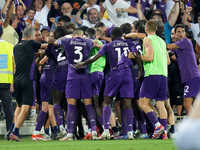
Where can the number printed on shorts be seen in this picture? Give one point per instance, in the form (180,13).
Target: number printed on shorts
(186,90)
(78,51)
(125,49)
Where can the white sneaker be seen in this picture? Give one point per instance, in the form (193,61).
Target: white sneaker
(68,137)
(104,136)
(63,133)
(130,135)
(94,135)
(46,136)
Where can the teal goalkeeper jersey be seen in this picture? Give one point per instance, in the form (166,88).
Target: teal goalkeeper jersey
(98,65)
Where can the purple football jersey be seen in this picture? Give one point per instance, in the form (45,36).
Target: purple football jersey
(77,50)
(59,56)
(48,70)
(114,51)
(186,60)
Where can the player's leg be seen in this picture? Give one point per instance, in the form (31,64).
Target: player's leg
(91,116)
(71,119)
(129,116)
(150,88)
(187,103)
(57,98)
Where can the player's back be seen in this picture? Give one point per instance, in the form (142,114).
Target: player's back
(77,50)
(114,51)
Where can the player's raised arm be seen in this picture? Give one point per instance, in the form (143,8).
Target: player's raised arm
(172,46)
(88,61)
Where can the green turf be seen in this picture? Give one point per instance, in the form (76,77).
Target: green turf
(27,144)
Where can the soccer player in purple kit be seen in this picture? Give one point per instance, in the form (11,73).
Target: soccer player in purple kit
(24,55)
(186,60)
(155,60)
(78,80)
(120,79)
(58,82)
(45,87)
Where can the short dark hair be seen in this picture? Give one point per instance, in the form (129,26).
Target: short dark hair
(31,8)
(90,32)
(99,24)
(126,28)
(139,26)
(59,31)
(64,18)
(69,25)
(116,33)
(179,26)
(83,28)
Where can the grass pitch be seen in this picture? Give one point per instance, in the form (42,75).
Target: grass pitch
(28,144)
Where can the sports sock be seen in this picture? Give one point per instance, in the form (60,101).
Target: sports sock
(106,116)
(91,116)
(129,119)
(141,122)
(134,124)
(71,117)
(55,130)
(59,114)
(153,119)
(16,131)
(164,123)
(172,129)
(100,120)
(124,123)
(40,120)
(115,129)
(46,131)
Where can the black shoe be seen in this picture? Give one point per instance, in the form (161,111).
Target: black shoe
(7,135)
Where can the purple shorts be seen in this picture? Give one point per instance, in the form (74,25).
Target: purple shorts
(45,88)
(154,87)
(96,81)
(59,81)
(79,88)
(192,87)
(122,83)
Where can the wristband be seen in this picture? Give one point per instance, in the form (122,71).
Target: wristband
(177,1)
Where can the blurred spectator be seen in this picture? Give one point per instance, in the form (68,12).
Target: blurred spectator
(118,12)
(30,21)
(194,27)
(76,5)
(66,10)
(92,18)
(42,10)
(9,26)
(21,25)
(45,32)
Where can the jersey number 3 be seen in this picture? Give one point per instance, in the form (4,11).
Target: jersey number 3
(78,51)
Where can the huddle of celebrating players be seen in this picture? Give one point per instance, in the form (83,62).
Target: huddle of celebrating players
(78,69)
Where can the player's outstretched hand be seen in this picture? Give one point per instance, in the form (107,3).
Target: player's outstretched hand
(78,65)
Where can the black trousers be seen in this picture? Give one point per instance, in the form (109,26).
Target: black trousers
(6,98)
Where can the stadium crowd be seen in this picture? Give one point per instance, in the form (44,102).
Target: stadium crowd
(134,60)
